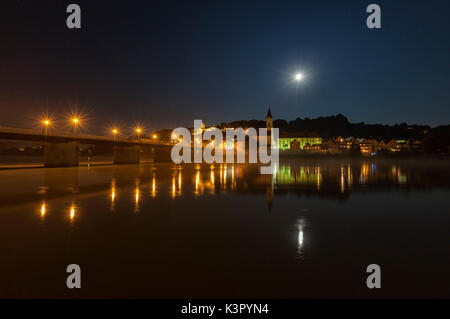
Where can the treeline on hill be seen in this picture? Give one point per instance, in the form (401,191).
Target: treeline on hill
(338,125)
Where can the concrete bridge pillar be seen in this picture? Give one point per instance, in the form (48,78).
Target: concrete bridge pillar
(61,154)
(162,153)
(127,154)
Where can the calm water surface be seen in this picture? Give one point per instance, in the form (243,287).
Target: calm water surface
(162,230)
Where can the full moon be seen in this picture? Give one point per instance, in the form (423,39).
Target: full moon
(298,77)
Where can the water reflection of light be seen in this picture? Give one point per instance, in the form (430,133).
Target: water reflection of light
(394,169)
(113,193)
(212,183)
(136,198)
(300,238)
(197,182)
(365,169)
(154,186)
(173,187)
(342,180)
(232,177)
(43,209)
(303,175)
(179,180)
(225,176)
(72,212)
(402,178)
(319,177)
(364,173)
(349,175)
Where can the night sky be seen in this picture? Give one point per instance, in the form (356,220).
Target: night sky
(166,63)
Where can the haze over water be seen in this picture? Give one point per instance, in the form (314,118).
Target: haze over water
(188,231)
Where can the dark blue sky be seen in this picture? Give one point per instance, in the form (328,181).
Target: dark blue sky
(167,63)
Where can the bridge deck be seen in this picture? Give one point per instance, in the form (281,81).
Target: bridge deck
(12,133)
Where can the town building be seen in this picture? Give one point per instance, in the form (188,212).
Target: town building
(293,141)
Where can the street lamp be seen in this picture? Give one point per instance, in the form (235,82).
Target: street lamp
(75,121)
(138,131)
(115,132)
(46,124)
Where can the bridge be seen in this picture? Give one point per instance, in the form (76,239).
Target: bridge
(62,149)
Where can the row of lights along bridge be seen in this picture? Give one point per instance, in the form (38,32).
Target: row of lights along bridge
(75,121)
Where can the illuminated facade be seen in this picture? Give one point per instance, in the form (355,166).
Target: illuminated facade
(292,141)
(285,143)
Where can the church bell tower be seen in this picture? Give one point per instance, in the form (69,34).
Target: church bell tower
(269,121)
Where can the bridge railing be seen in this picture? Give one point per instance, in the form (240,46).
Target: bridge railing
(71,136)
